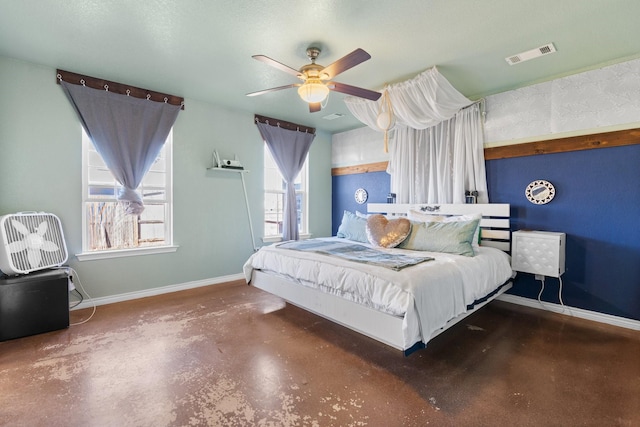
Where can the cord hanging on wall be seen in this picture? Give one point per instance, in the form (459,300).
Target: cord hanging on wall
(386,119)
(235,166)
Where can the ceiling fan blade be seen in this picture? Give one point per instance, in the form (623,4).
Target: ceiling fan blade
(354,91)
(273,89)
(348,61)
(315,107)
(279,65)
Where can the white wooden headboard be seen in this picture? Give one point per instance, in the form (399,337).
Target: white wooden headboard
(495,223)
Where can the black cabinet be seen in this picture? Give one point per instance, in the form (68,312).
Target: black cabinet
(33,303)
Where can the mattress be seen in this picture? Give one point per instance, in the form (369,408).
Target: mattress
(426,295)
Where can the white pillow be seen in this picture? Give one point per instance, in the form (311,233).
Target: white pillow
(454,237)
(424,217)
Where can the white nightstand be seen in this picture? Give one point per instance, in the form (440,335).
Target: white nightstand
(538,252)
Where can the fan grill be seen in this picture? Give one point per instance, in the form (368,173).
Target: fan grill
(30,242)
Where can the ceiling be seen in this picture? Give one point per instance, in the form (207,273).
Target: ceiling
(201,49)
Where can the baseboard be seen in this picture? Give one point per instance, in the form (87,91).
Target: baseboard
(88,303)
(622,322)
(514,299)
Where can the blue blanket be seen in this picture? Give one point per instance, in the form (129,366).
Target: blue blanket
(356,253)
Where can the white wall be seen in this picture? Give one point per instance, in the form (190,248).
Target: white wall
(594,101)
(357,147)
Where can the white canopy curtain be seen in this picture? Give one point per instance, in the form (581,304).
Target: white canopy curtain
(419,103)
(440,163)
(289,145)
(128,132)
(436,151)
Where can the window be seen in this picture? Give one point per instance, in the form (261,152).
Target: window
(106,227)
(274,187)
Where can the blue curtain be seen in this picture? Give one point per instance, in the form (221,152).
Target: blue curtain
(127,132)
(289,149)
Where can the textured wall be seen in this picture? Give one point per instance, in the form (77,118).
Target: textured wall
(600,98)
(357,147)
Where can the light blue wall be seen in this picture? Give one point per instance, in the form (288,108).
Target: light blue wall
(40,170)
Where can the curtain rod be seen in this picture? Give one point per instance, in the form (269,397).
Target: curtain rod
(119,88)
(283,124)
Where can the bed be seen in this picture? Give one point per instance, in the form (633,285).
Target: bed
(402,307)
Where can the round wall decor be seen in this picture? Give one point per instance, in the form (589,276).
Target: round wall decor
(540,192)
(361,196)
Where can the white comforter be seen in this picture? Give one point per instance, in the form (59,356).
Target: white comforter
(427,295)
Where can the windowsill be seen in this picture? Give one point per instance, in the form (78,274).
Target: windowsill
(91,256)
(274,239)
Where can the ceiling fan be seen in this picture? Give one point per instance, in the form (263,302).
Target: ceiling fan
(316,78)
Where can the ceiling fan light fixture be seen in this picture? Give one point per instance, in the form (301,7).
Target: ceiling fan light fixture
(315,86)
(313,91)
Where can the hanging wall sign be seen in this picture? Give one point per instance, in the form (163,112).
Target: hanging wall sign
(361,196)
(540,192)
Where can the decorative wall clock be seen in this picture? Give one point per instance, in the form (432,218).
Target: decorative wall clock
(540,192)
(361,196)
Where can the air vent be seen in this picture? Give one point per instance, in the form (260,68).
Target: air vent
(531,54)
(333,116)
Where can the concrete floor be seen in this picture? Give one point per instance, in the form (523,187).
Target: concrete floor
(232,355)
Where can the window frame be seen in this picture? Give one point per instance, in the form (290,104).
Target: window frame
(168,246)
(304,191)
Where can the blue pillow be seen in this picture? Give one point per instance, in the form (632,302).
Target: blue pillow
(353,228)
(450,237)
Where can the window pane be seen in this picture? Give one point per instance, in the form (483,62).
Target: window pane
(100,192)
(151,234)
(100,175)
(107,226)
(154,179)
(153,213)
(273,203)
(272,180)
(159,164)
(94,159)
(149,194)
(299,204)
(274,187)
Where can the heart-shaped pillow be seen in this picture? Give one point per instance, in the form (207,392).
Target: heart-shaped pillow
(387,233)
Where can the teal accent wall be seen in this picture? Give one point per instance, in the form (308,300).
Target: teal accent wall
(41,170)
